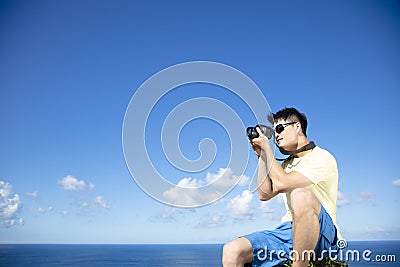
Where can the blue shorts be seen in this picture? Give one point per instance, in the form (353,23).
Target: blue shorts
(273,247)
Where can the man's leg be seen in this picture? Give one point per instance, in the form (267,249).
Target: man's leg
(237,253)
(306,209)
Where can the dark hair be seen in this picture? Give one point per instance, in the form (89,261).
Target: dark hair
(294,115)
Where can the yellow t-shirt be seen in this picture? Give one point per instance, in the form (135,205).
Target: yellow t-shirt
(320,167)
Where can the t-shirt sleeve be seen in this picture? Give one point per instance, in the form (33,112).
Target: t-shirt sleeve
(321,166)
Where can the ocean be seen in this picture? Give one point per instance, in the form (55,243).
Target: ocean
(166,255)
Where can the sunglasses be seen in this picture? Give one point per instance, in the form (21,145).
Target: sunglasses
(280,127)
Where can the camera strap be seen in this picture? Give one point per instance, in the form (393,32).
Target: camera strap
(309,146)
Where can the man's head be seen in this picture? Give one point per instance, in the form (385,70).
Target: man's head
(290,127)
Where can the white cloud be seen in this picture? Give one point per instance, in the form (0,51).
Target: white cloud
(280,199)
(71,183)
(265,208)
(189,197)
(167,216)
(214,220)
(342,200)
(267,211)
(34,194)
(377,232)
(190,183)
(65,212)
(10,206)
(187,193)
(366,196)
(98,202)
(5,189)
(225,178)
(170,214)
(44,210)
(239,207)
(373,230)
(396,182)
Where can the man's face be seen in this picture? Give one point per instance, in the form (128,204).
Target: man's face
(288,137)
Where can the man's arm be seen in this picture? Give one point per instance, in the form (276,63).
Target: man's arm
(265,188)
(274,180)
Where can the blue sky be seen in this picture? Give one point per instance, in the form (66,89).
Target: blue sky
(69,69)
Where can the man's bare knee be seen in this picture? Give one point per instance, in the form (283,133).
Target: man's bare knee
(303,201)
(230,253)
(237,252)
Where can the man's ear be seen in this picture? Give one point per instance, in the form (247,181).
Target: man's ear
(298,128)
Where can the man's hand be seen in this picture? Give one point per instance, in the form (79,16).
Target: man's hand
(257,149)
(260,143)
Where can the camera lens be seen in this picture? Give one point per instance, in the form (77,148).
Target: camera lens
(248,131)
(252,133)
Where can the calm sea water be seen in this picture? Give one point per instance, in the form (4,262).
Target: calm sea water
(156,255)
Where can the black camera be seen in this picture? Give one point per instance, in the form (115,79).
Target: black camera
(266,130)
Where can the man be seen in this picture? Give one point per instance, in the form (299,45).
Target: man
(309,181)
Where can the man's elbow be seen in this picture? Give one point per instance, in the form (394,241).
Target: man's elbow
(264,196)
(280,187)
